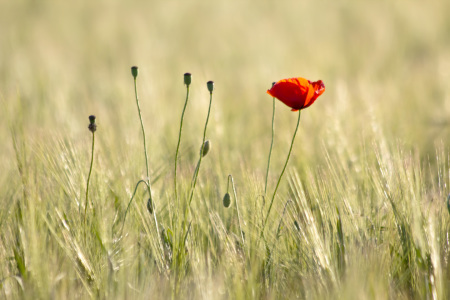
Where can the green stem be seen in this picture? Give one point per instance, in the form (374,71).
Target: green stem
(149,189)
(237,209)
(281,175)
(271,145)
(195,172)
(201,152)
(89,177)
(143,137)
(179,141)
(281,220)
(129,203)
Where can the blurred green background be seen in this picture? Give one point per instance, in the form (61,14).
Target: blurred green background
(380,60)
(385,64)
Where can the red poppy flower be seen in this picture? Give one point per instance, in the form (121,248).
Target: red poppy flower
(297,93)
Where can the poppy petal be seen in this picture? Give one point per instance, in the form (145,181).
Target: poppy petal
(317,89)
(291,92)
(297,93)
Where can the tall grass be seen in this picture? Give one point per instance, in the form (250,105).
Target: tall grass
(361,212)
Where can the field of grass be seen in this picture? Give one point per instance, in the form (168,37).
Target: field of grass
(361,212)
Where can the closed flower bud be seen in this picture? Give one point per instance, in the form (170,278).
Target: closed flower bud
(134,71)
(150,205)
(92,126)
(210,85)
(227,200)
(448,203)
(206,148)
(187,78)
(296,225)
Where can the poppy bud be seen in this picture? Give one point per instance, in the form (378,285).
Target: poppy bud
(92,126)
(150,205)
(206,148)
(227,200)
(296,225)
(134,71)
(210,85)
(187,78)
(448,203)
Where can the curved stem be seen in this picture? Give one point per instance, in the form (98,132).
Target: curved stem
(89,177)
(149,189)
(271,145)
(143,138)
(281,175)
(179,141)
(129,203)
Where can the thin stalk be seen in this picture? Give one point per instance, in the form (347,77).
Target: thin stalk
(89,177)
(195,172)
(201,152)
(237,209)
(271,145)
(179,141)
(281,220)
(149,189)
(143,138)
(281,175)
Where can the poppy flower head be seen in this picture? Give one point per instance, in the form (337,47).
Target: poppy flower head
(297,93)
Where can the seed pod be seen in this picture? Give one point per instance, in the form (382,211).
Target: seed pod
(227,200)
(206,148)
(134,71)
(296,225)
(448,203)
(150,205)
(187,78)
(92,126)
(210,85)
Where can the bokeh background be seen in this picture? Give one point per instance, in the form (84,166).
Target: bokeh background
(385,64)
(382,60)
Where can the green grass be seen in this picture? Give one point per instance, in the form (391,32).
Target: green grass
(361,212)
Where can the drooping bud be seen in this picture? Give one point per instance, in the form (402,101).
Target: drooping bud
(92,126)
(150,205)
(206,148)
(227,200)
(296,225)
(448,203)
(210,85)
(134,71)
(187,78)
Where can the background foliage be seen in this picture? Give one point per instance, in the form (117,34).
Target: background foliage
(361,214)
